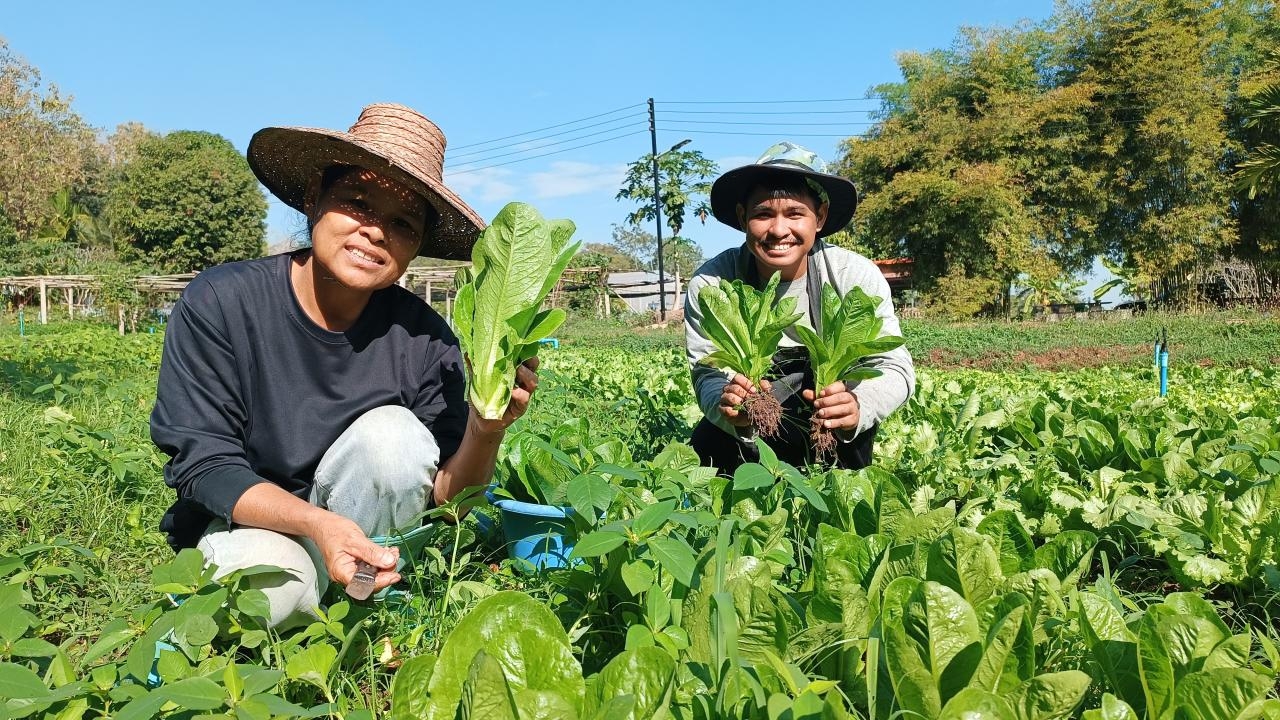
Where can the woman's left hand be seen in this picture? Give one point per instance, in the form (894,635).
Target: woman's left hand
(526,383)
(835,406)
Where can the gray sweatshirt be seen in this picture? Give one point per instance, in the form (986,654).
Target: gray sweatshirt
(836,266)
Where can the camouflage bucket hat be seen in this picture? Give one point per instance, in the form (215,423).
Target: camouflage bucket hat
(784,163)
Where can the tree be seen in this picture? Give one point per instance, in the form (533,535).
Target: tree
(186,201)
(964,173)
(684,185)
(44,144)
(681,256)
(636,243)
(606,255)
(1159,130)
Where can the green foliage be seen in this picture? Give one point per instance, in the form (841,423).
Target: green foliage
(1261,171)
(610,257)
(1010,556)
(1111,129)
(683,184)
(745,325)
(45,145)
(850,334)
(527,654)
(186,201)
(497,313)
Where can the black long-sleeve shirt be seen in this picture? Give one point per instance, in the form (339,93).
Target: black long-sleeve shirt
(252,390)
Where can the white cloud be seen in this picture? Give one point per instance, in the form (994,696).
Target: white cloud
(486,185)
(566,178)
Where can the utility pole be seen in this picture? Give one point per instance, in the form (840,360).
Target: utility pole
(657,214)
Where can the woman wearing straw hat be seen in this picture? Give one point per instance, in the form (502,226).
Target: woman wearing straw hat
(306,401)
(785,203)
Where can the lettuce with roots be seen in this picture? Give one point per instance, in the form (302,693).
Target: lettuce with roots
(498,313)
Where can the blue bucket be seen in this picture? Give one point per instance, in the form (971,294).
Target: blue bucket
(540,535)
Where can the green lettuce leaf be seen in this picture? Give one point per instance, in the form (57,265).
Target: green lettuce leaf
(498,313)
(744,325)
(850,334)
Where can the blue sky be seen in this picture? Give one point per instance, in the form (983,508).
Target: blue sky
(488,70)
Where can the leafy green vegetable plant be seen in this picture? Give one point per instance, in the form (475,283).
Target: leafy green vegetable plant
(498,312)
(745,326)
(850,334)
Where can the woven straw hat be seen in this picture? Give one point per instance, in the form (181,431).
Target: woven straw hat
(392,140)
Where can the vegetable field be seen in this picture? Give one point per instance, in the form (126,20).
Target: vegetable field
(1030,545)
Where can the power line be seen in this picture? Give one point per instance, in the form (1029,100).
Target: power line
(764,134)
(622,119)
(771,102)
(772,124)
(540,147)
(769,112)
(556,152)
(549,127)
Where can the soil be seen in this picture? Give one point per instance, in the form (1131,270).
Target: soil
(765,412)
(1066,358)
(824,441)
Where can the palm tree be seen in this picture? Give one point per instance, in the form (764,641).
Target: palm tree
(1261,172)
(69,222)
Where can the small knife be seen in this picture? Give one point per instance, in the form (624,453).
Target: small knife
(361,585)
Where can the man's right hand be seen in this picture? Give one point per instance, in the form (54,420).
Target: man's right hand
(342,542)
(731,400)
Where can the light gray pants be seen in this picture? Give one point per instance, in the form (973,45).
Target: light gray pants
(379,472)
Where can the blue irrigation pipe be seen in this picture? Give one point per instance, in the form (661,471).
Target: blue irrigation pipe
(1163,361)
(1164,373)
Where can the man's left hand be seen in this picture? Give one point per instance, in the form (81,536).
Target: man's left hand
(526,383)
(835,406)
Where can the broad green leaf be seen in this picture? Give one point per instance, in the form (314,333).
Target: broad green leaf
(114,634)
(977,704)
(408,699)
(33,648)
(675,556)
(1051,696)
(751,476)
(1112,708)
(181,575)
(1067,554)
(18,682)
(1114,648)
(312,665)
(647,521)
(595,544)
(485,693)
(931,643)
(589,494)
(1222,694)
(966,562)
(638,576)
(744,325)
(197,693)
(254,603)
(1012,541)
(523,636)
(850,333)
(647,674)
(999,669)
(1230,653)
(515,263)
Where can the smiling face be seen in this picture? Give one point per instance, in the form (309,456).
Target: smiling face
(781,228)
(366,229)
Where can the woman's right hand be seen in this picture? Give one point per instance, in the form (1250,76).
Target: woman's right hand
(342,542)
